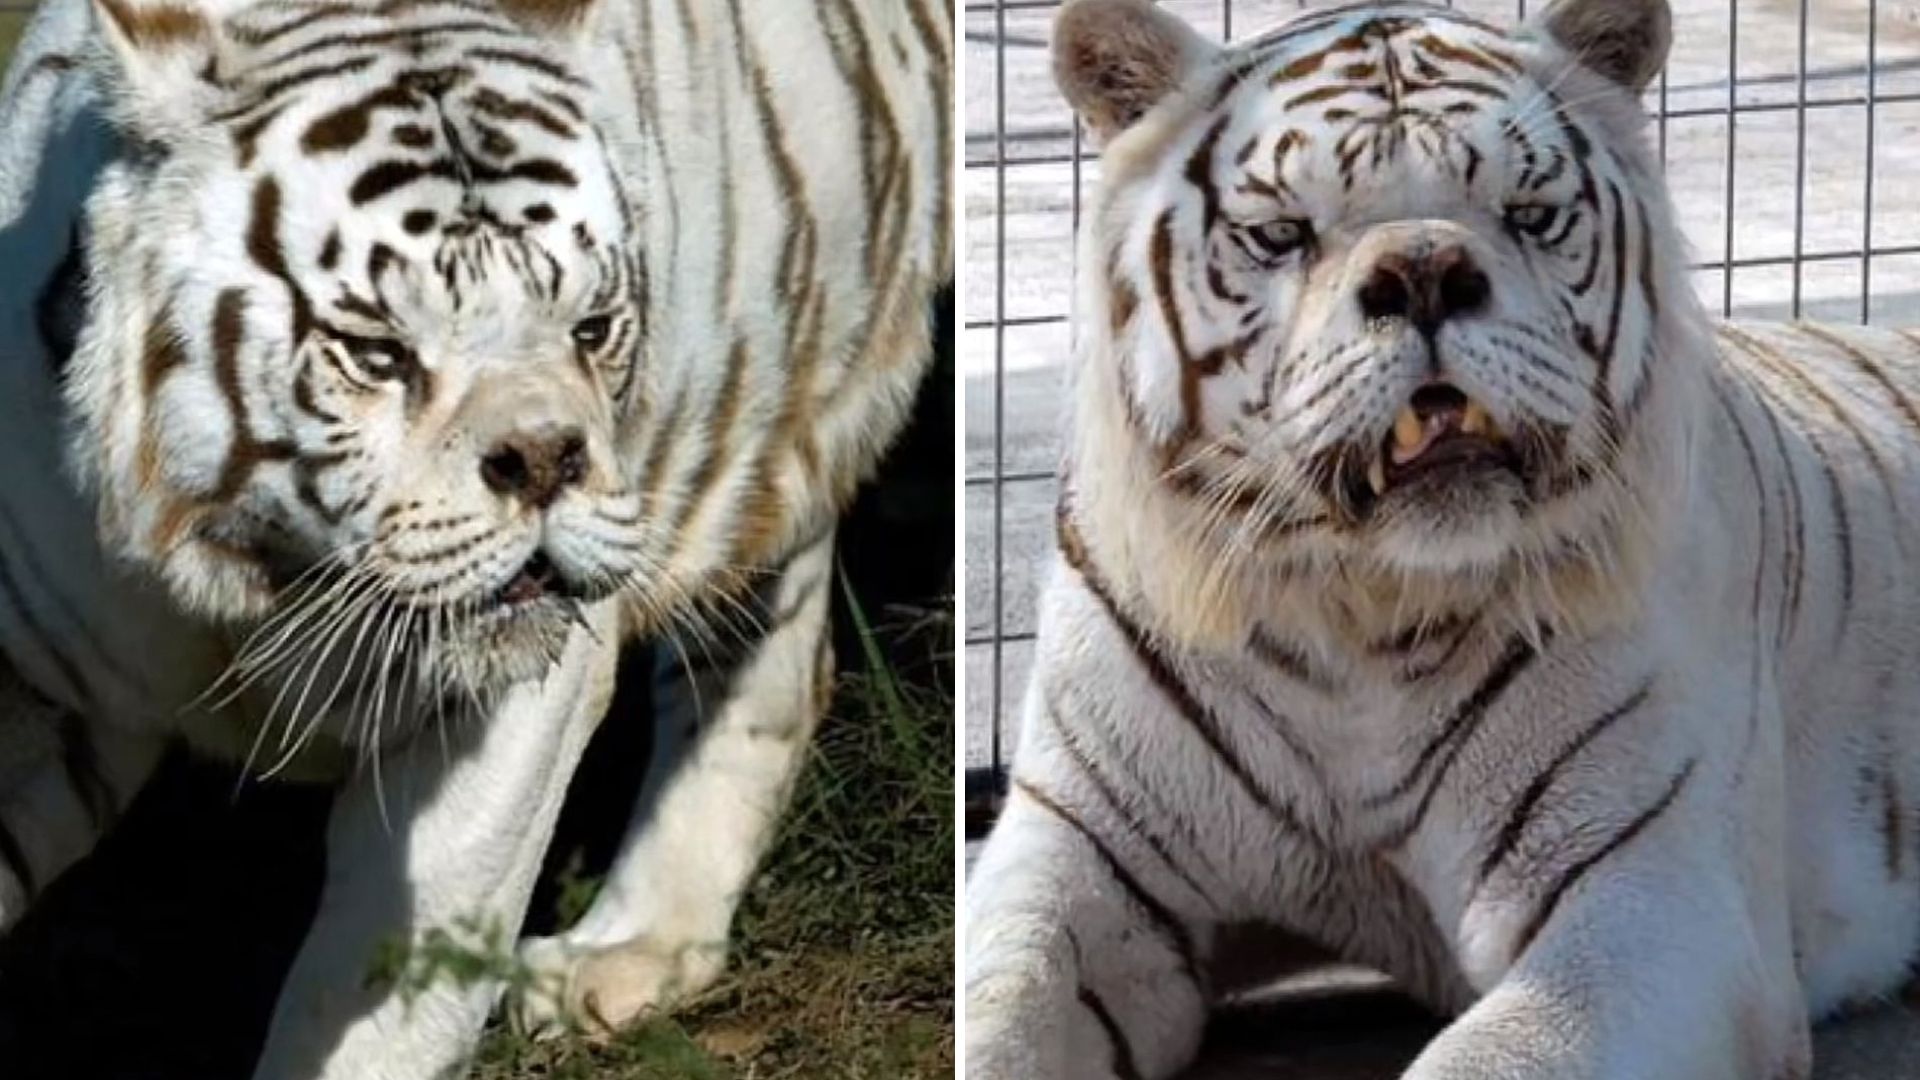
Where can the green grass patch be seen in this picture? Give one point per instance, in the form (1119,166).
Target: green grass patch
(11,25)
(843,956)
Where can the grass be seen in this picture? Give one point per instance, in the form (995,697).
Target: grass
(843,952)
(11,24)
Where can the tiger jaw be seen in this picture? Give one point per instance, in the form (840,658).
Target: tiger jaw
(1443,448)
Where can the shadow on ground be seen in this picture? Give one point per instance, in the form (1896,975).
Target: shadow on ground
(1343,1028)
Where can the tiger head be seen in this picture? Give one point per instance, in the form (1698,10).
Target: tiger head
(366,316)
(1386,298)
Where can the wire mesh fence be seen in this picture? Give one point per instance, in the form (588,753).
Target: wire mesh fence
(1790,135)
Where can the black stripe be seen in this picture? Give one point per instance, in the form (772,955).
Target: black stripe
(1077,750)
(1124,1066)
(1287,660)
(1168,681)
(1423,672)
(1836,495)
(1522,812)
(1458,733)
(1466,716)
(15,858)
(1178,940)
(1612,339)
(1843,526)
(82,762)
(60,308)
(1572,875)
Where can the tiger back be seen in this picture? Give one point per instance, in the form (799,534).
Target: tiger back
(371,366)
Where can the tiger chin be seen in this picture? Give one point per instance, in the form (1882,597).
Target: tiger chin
(1439,587)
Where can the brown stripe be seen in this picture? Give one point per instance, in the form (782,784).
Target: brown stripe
(1836,499)
(1572,875)
(719,441)
(247,451)
(344,127)
(1522,813)
(155,27)
(1759,502)
(1867,367)
(939,68)
(1779,365)
(1793,558)
(1178,940)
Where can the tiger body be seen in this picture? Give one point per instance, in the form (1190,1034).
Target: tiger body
(372,371)
(1610,757)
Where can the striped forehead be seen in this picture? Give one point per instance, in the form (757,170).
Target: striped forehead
(1379,68)
(1385,100)
(448,116)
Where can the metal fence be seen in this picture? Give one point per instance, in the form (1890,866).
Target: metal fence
(1789,129)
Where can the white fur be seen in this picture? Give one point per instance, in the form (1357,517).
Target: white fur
(1705,659)
(125,601)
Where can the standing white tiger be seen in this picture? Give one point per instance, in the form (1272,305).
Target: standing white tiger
(370,370)
(1436,588)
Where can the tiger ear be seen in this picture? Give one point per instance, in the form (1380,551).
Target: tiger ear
(1116,59)
(568,22)
(164,73)
(1625,40)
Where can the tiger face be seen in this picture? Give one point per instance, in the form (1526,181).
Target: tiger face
(1386,282)
(368,317)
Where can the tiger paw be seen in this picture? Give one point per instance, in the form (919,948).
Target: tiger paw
(602,989)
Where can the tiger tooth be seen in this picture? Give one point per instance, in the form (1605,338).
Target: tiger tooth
(1475,420)
(1377,476)
(1408,430)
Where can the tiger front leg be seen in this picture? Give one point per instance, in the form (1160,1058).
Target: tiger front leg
(1655,956)
(657,931)
(1073,971)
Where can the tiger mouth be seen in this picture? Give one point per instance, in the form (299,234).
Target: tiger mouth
(537,579)
(1439,436)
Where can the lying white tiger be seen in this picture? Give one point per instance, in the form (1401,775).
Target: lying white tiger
(429,349)
(1433,589)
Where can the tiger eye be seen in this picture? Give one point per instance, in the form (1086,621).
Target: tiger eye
(592,332)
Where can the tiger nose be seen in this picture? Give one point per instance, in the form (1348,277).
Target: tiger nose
(536,466)
(1425,288)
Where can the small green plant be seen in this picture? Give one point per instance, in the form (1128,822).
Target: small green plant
(843,949)
(476,950)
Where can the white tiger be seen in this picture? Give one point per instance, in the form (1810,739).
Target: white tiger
(1436,589)
(371,369)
